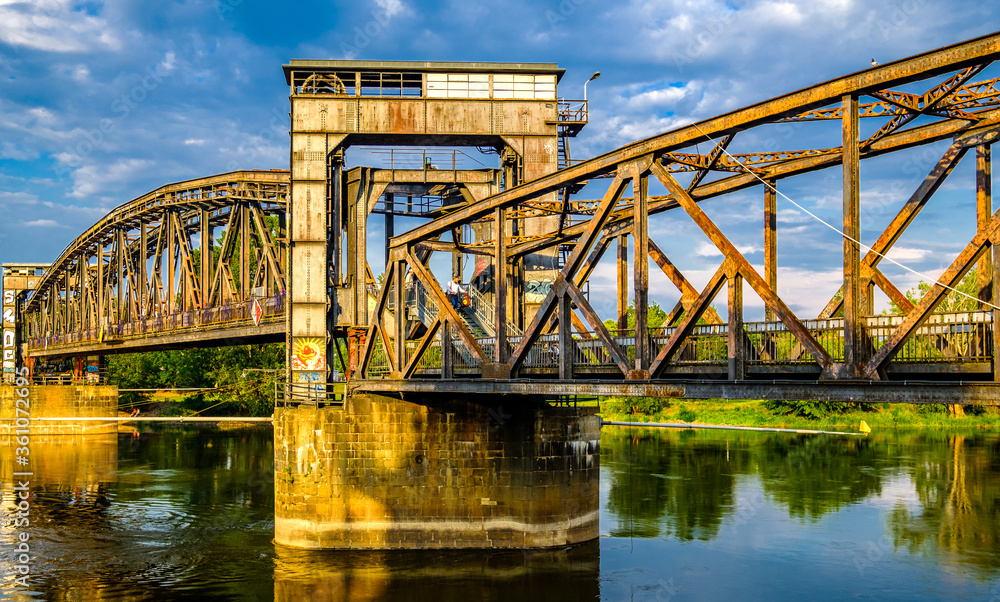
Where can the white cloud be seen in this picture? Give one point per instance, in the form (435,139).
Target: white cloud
(43,223)
(54,26)
(904,254)
(8,198)
(708,249)
(807,291)
(391,7)
(79,73)
(616,130)
(781,13)
(169,62)
(667,96)
(91,180)
(17,152)
(43,116)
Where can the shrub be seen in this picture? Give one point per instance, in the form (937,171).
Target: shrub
(645,406)
(805,409)
(687,415)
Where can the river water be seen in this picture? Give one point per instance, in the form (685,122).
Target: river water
(181,513)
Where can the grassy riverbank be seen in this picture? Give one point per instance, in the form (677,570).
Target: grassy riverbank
(756,413)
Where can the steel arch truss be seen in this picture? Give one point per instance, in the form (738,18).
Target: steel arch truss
(139,273)
(953,106)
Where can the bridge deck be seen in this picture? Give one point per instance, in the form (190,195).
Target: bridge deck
(229,324)
(949,346)
(909,391)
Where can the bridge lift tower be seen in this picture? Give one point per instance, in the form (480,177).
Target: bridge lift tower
(511,109)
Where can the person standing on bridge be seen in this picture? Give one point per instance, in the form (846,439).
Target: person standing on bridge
(455,294)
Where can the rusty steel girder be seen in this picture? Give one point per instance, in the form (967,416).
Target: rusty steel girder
(137,274)
(952,108)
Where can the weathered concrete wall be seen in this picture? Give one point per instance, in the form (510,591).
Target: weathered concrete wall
(56,401)
(386,474)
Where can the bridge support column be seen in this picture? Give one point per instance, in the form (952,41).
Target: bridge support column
(622,282)
(984,211)
(855,352)
(385,474)
(737,348)
(771,242)
(640,270)
(989,286)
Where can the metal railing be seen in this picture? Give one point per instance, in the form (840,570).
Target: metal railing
(481,309)
(326,393)
(573,111)
(426,159)
(946,337)
(177,321)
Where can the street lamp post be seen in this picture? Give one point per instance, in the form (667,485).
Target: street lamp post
(592,78)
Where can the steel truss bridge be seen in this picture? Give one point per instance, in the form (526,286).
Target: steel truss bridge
(135,281)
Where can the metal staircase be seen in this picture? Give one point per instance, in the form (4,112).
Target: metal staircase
(477,316)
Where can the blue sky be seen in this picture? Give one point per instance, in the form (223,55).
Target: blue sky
(101,102)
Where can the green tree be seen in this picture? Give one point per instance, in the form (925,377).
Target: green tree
(241,391)
(655,317)
(964,300)
(237,390)
(131,371)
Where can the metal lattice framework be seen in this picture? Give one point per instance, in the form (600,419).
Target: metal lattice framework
(953,107)
(136,279)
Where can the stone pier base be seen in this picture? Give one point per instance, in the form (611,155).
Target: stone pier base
(58,401)
(386,474)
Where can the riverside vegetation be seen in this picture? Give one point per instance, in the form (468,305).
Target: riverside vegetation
(795,414)
(805,414)
(232,380)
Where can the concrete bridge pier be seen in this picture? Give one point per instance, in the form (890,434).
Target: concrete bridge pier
(26,410)
(380,473)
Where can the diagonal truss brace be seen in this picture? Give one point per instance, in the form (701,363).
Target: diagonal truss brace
(743,267)
(990,233)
